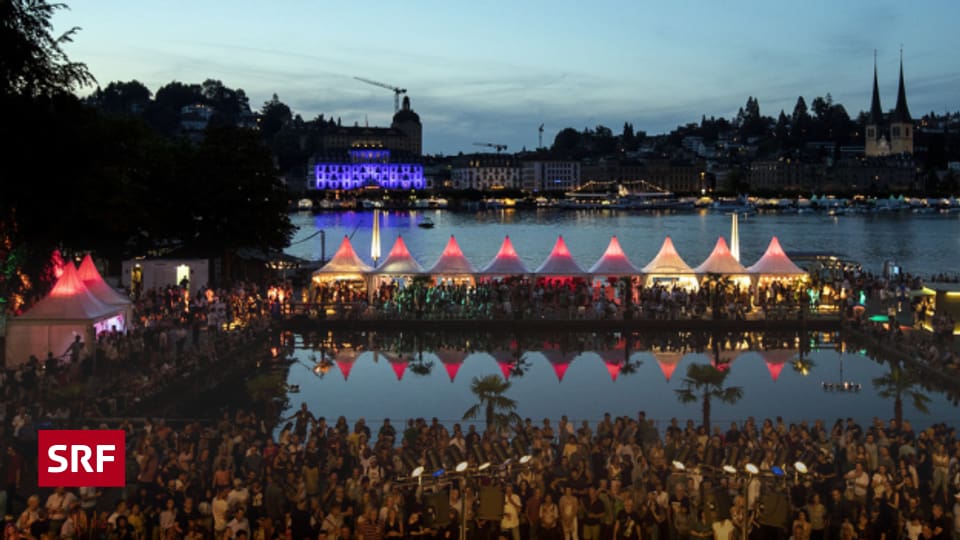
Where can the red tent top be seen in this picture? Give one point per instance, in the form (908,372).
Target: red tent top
(505,361)
(345,360)
(614,358)
(506,262)
(399,262)
(452,360)
(614,261)
(775,262)
(668,361)
(560,262)
(557,358)
(775,360)
(721,261)
(667,261)
(94,281)
(70,299)
(452,261)
(345,261)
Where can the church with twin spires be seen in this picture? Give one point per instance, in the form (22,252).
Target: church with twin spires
(889,134)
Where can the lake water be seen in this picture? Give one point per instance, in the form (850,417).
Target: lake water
(404,375)
(928,243)
(378,387)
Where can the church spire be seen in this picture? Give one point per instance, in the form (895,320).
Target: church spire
(901,113)
(876,111)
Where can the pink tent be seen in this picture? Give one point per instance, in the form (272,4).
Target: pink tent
(560,262)
(70,299)
(775,263)
(452,262)
(668,361)
(452,360)
(94,281)
(614,262)
(775,360)
(345,262)
(506,262)
(721,261)
(559,359)
(399,262)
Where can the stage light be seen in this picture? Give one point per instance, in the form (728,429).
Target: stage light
(801,467)
(777,470)
(729,469)
(484,466)
(525,459)
(678,465)
(438,473)
(462,466)
(418,472)
(752,469)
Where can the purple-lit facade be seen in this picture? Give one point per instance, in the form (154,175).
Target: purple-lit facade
(369,167)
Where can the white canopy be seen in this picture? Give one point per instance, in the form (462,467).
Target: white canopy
(506,262)
(614,262)
(94,282)
(721,261)
(452,261)
(775,262)
(399,262)
(70,299)
(560,262)
(667,261)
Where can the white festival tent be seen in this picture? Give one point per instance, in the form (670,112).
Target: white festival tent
(399,262)
(668,266)
(344,265)
(614,262)
(506,262)
(453,263)
(52,323)
(775,264)
(722,262)
(559,263)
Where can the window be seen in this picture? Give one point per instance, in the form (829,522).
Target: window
(906,131)
(871,133)
(896,131)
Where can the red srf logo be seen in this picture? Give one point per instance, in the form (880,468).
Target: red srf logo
(77,458)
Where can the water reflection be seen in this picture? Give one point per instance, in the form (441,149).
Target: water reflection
(803,375)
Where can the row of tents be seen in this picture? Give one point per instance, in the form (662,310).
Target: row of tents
(81,304)
(560,360)
(666,265)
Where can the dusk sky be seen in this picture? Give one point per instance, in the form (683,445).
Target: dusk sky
(492,71)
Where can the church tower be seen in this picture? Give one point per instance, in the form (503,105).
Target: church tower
(901,125)
(876,143)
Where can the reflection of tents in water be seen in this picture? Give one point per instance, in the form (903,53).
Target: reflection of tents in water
(452,359)
(775,360)
(723,359)
(345,360)
(397,362)
(614,358)
(668,361)
(506,360)
(558,358)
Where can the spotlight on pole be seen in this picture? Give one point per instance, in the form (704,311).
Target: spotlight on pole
(418,472)
(438,473)
(752,469)
(462,466)
(678,465)
(729,469)
(525,459)
(777,470)
(801,467)
(484,466)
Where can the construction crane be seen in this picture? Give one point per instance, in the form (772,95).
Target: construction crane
(499,147)
(540,136)
(396,91)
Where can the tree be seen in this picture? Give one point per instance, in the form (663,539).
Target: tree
(705,383)
(567,141)
(498,410)
(33,62)
(274,115)
(123,98)
(800,121)
(895,385)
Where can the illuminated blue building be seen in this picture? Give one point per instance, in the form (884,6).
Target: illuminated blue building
(360,157)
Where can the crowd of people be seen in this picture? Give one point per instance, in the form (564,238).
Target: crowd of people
(618,478)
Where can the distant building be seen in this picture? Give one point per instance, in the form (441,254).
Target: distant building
(785,175)
(363,157)
(404,137)
(648,174)
(893,133)
(485,172)
(882,175)
(195,118)
(558,175)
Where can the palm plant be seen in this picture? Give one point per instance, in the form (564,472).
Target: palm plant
(705,383)
(498,410)
(895,385)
